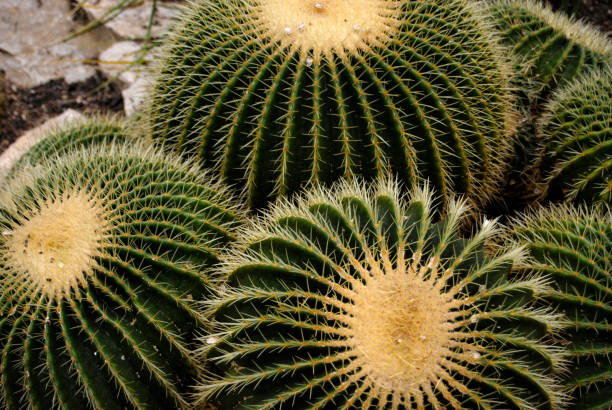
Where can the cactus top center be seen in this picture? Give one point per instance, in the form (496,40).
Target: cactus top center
(401,329)
(326,26)
(53,246)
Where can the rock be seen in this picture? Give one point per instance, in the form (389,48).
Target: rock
(132,22)
(117,57)
(28,139)
(134,96)
(30,48)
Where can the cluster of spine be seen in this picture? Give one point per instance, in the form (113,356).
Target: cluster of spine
(355,298)
(553,48)
(103,255)
(574,248)
(428,99)
(576,133)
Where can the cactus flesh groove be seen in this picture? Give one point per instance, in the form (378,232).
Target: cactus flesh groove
(354,298)
(273,94)
(574,247)
(103,254)
(576,132)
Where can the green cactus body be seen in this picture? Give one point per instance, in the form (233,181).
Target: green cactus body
(576,133)
(103,254)
(274,94)
(356,299)
(574,248)
(554,48)
(76,134)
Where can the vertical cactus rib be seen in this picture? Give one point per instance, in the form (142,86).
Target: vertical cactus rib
(355,298)
(572,246)
(416,89)
(576,135)
(105,251)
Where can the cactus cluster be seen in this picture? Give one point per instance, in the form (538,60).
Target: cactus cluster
(355,298)
(275,94)
(576,133)
(554,49)
(103,255)
(130,279)
(574,247)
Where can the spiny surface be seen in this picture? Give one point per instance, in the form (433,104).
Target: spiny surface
(102,256)
(576,133)
(573,246)
(76,134)
(356,299)
(273,95)
(554,48)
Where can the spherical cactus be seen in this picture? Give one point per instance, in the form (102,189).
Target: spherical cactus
(574,247)
(357,299)
(274,94)
(75,134)
(576,133)
(553,48)
(103,254)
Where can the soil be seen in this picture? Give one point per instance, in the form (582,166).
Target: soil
(24,108)
(596,12)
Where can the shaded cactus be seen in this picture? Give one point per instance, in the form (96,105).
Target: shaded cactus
(576,133)
(275,94)
(103,254)
(357,299)
(554,48)
(574,248)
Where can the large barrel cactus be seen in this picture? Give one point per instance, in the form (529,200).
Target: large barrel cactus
(356,299)
(576,133)
(274,94)
(76,134)
(103,255)
(554,48)
(574,248)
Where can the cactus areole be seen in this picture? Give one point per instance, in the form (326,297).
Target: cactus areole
(274,94)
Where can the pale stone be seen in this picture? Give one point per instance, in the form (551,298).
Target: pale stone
(30,49)
(132,22)
(31,137)
(134,96)
(118,57)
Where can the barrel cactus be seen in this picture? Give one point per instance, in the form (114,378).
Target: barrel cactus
(103,255)
(554,48)
(574,247)
(576,133)
(275,94)
(78,133)
(355,298)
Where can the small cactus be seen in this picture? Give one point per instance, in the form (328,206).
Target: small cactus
(573,246)
(554,48)
(576,133)
(76,134)
(103,254)
(355,298)
(273,94)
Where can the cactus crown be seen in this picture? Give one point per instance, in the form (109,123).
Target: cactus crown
(103,253)
(53,246)
(353,298)
(326,26)
(573,246)
(576,133)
